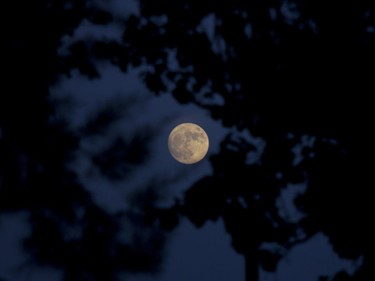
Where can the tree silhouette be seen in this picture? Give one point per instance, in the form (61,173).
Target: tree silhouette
(277,69)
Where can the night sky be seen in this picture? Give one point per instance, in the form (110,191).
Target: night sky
(88,188)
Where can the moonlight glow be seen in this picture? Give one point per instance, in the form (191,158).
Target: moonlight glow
(188,143)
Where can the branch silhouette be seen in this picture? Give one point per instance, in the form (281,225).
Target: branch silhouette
(277,70)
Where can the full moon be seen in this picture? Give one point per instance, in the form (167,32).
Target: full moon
(188,143)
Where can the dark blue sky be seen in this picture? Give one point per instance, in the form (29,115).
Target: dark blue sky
(191,253)
(194,254)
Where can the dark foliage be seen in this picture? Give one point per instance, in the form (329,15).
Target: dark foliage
(286,71)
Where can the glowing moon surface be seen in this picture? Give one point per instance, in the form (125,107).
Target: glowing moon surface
(188,143)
